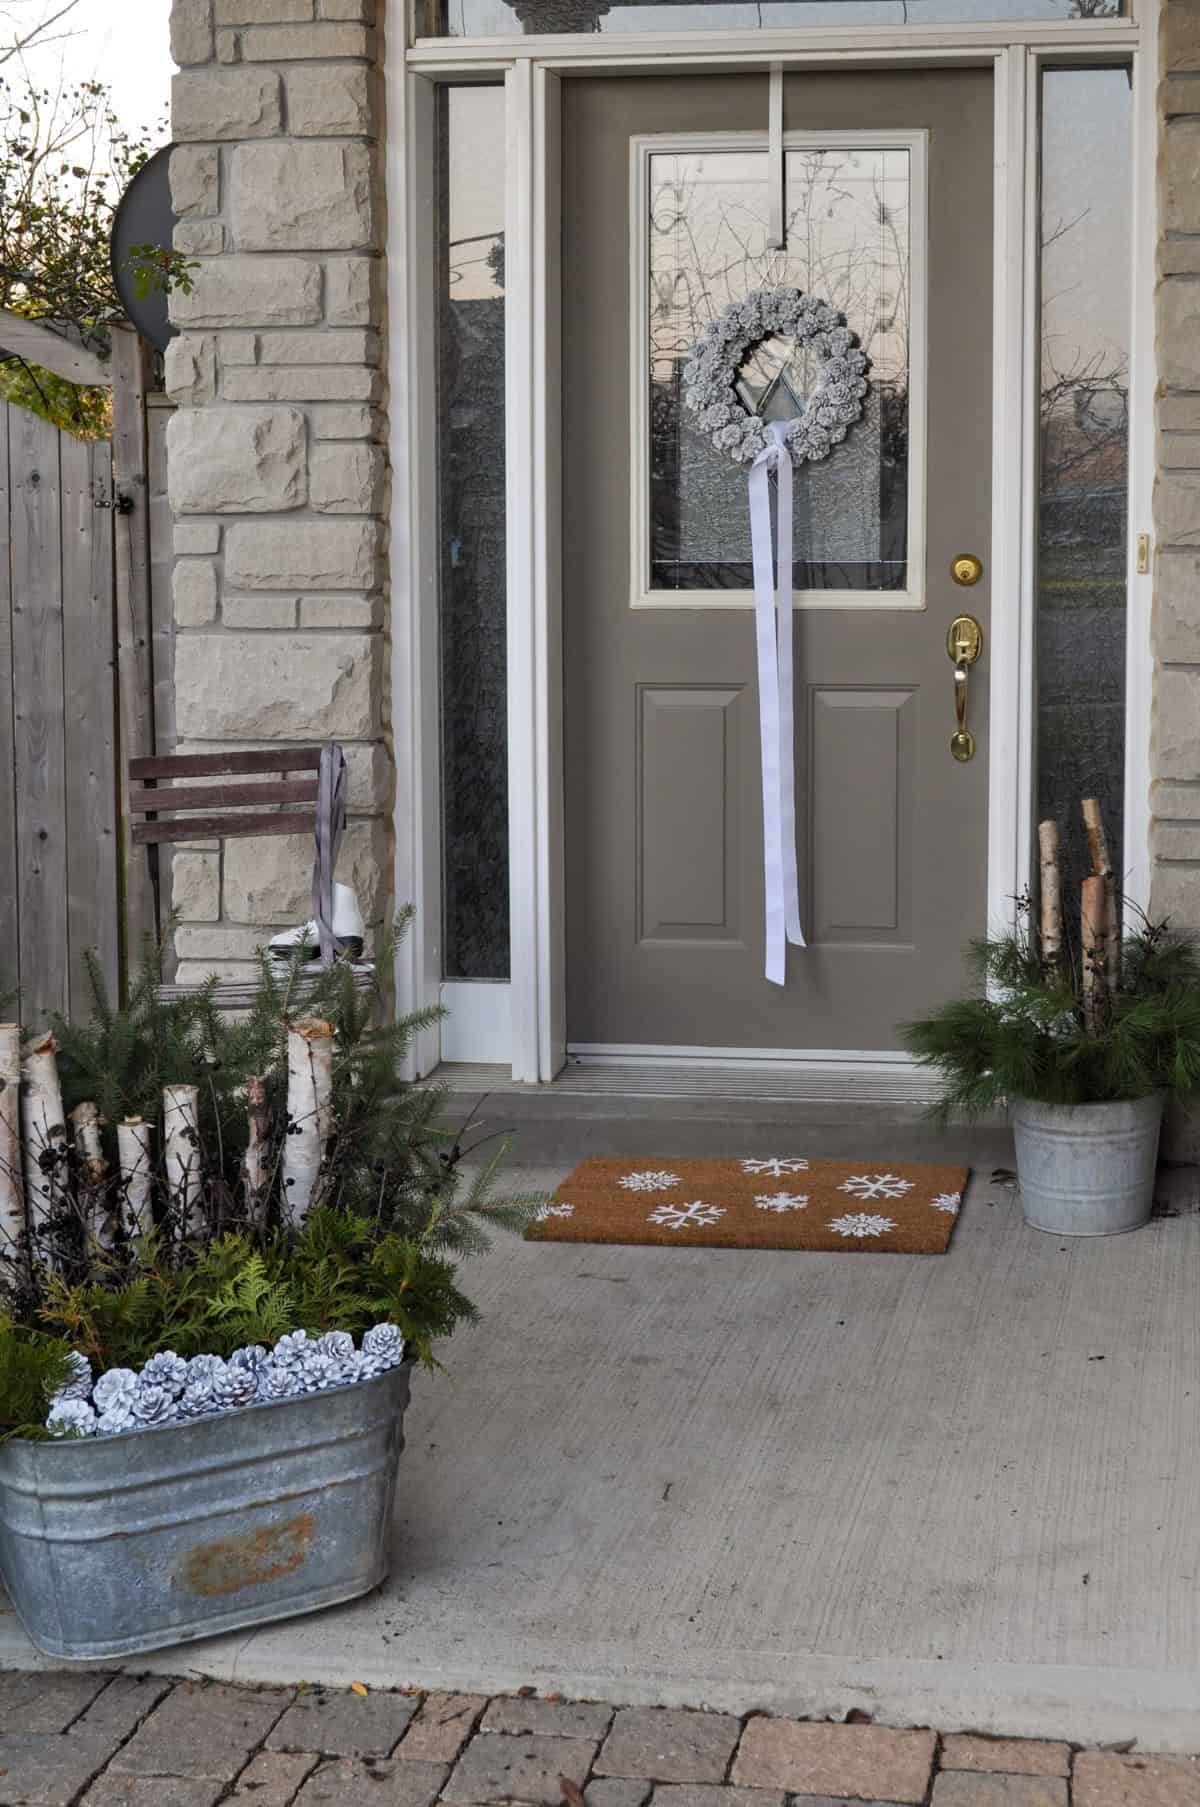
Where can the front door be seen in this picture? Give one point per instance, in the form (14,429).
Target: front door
(668,187)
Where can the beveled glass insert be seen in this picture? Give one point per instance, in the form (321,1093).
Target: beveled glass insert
(1083,502)
(848,242)
(472,541)
(506,18)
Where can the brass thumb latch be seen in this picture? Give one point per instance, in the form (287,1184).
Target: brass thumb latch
(964,643)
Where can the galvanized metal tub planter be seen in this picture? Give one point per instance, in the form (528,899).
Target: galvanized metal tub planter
(114,1545)
(1087,1169)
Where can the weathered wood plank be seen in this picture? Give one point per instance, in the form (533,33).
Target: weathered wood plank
(10,973)
(222,796)
(39,760)
(162,558)
(135,664)
(209,828)
(226,765)
(89,716)
(65,356)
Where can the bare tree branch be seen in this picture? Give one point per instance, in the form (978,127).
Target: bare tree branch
(32,35)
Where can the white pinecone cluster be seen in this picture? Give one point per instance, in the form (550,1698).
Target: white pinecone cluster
(173,1390)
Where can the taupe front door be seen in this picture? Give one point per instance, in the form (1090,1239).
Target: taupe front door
(667,189)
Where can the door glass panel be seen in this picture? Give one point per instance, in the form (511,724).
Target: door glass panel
(492,18)
(1081,590)
(471,521)
(848,243)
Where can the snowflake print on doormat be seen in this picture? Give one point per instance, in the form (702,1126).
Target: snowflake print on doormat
(948,1202)
(651,1180)
(862,1223)
(546,1211)
(776,1167)
(682,1217)
(876,1185)
(781,1201)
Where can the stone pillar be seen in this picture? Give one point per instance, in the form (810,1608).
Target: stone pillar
(276,462)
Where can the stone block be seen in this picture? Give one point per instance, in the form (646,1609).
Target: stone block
(302,383)
(202,1732)
(237,460)
(343,1724)
(1181,36)
(1179,190)
(1013,1756)
(341,611)
(1105,1779)
(441,1727)
(528,1769)
(1178,330)
(1175,802)
(37,1702)
(552,1718)
(346,345)
(120,1709)
(277,686)
(669,1745)
(272,1779)
(238,348)
(305,43)
(1179,94)
(1177,508)
(48,1769)
(313,195)
(199,238)
(263,12)
(1176,841)
(1179,413)
(190,369)
(251,292)
(201,944)
(346,479)
(229,47)
(226,103)
(1178,451)
(351,291)
(195,179)
(958,1788)
(372,1784)
(191,31)
(714,1794)
(152,1791)
(269,881)
(1179,256)
(196,537)
(259,611)
(329,100)
(858,1762)
(617,1791)
(1175,895)
(194,592)
(235,972)
(347,9)
(1177,608)
(348,420)
(1177,723)
(302,555)
(196,886)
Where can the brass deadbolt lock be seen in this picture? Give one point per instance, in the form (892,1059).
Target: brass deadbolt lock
(966,569)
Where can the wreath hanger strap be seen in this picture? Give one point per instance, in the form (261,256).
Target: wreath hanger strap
(776,709)
(776,154)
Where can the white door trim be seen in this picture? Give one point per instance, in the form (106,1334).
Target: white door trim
(530,68)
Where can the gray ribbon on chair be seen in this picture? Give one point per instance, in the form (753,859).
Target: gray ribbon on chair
(332,784)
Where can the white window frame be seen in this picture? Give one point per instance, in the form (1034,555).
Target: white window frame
(642,594)
(528,1015)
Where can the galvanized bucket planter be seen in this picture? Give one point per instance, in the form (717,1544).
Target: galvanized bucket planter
(1087,1169)
(116,1545)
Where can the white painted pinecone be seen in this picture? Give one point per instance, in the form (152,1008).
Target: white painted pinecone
(117,1418)
(69,1416)
(166,1370)
(318,1373)
(113,1388)
(292,1349)
(253,1357)
(153,1404)
(336,1344)
(383,1343)
(234,1387)
(200,1397)
(276,1382)
(79,1383)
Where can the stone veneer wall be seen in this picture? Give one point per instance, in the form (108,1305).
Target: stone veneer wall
(276,467)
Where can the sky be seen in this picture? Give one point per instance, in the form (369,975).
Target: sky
(124,43)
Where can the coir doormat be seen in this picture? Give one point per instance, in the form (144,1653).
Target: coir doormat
(759,1202)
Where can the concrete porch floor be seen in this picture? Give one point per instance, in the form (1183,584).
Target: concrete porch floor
(960,1490)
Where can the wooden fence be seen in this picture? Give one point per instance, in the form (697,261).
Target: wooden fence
(81,669)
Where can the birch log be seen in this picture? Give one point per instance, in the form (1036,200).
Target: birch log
(256,1163)
(44,1131)
(1051,894)
(89,1152)
(1093,821)
(1091,935)
(135,1152)
(12,1191)
(181,1150)
(310,1112)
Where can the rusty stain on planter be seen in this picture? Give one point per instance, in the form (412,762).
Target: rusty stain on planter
(267,1554)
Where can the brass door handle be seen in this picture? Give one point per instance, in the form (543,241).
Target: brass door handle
(964,643)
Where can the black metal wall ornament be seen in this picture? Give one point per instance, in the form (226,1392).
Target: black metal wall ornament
(145,216)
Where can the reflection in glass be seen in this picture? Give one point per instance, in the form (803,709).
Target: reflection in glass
(506,18)
(848,243)
(471,522)
(1085,281)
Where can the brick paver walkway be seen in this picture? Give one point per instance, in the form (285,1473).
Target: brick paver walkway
(99,1740)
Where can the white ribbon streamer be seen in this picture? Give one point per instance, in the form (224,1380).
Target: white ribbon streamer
(776,713)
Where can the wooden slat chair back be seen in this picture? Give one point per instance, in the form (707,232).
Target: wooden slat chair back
(195,811)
